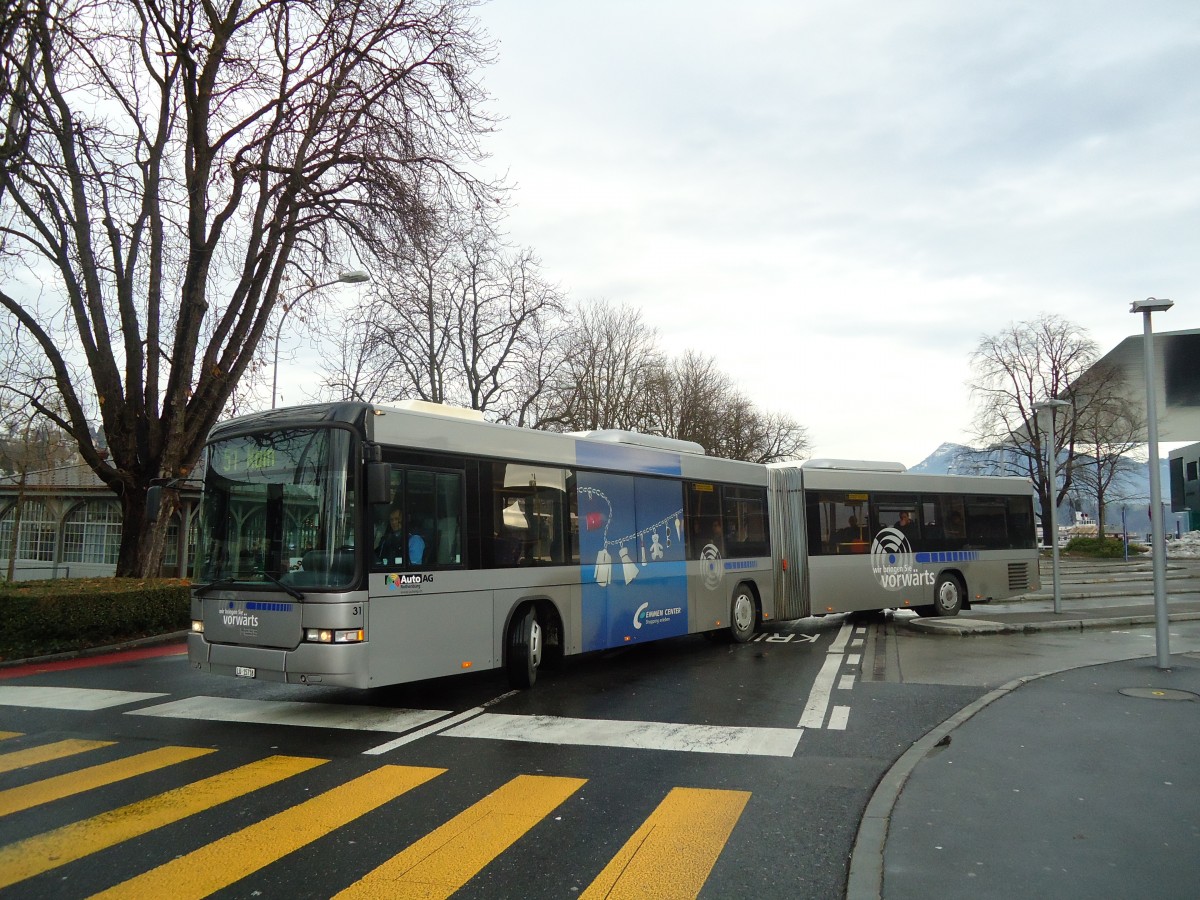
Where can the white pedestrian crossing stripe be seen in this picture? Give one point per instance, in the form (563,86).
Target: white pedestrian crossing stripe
(84,699)
(742,741)
(291,712)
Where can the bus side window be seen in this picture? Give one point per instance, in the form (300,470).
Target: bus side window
(954,524)
(508,532)
(818,538)
(746,521)
(446,546)
(531,521)
(429,505)
(703,515)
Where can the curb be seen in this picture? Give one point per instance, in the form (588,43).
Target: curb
(960,627)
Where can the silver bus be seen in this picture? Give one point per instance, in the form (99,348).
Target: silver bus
(361,545)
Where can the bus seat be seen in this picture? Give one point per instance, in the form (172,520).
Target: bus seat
(343,562)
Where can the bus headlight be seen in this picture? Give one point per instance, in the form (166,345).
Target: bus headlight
(331,636)
(197,626)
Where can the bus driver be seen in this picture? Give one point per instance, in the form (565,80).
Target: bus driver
(392,544)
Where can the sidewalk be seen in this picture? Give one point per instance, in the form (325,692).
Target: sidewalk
(1080,783)
(1092,594)
(1074,617)
(1077,784)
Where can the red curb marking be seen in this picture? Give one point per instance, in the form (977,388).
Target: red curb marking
(83,662)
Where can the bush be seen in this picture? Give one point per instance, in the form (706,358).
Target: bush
(1101,548)
(42,617)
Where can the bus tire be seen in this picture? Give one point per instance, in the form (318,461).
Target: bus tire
(554,648)
(524,649)
(948,595)
(743,614)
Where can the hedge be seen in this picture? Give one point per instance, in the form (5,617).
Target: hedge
(44,617)
(1102,548)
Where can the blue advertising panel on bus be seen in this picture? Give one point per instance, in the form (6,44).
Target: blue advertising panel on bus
(634,573)
(607,455)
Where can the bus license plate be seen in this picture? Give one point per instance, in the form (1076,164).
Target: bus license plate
(243,671)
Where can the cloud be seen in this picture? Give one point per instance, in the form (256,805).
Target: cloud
(837,199)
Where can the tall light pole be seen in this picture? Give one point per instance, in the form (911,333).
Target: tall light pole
(1162,639)
(1049,406)
(353,276)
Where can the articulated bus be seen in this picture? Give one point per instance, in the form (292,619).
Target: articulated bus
(360,545)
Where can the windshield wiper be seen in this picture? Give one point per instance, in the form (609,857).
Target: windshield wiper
(216,586)
(231,582)
(292,592)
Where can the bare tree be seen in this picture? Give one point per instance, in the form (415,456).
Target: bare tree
(1110,427)
(350,368)
(511,353)
(175,168)
(544,358)
(689,399)
(456,318)
(613,367)
(1029,362)
(503,306)
(778,438)
(698,402)
(408,326)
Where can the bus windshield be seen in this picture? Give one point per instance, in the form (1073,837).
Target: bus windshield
(279,508)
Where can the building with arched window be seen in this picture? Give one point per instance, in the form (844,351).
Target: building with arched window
(68,525)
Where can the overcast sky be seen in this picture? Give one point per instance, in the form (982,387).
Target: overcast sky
(838,199)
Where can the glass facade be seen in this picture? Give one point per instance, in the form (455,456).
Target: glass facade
(92,533)
(37,535)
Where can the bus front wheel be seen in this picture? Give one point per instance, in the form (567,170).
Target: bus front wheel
(524,649)
(743,614)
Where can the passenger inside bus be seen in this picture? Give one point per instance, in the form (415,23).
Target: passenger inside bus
(906,524)
(852,538)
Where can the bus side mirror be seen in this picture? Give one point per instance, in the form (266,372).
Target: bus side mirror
(379,482)
(153,502)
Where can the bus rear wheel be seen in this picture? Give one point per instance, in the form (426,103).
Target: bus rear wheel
(524,649)
(743,614)
(947,596)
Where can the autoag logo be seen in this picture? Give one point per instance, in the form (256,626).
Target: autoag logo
(893,562)
(409,582)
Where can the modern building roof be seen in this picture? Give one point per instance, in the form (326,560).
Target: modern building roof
(1176,382)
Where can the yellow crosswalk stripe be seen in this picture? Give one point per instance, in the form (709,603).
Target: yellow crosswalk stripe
(44,852)
(19,759)
(671,855)
(235,856)
(447,858)
(29,795)
(5,735)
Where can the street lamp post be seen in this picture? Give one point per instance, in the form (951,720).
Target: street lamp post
(1159,551)
(353,276)
(1051,463)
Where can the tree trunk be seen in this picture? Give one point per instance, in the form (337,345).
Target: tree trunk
(15,540)
(142,542)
